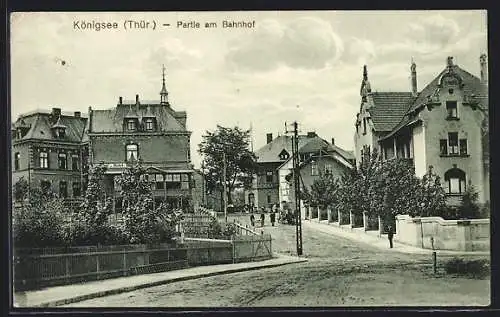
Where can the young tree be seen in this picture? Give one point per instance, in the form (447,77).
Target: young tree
(240,162)
(323,191)
(469,207)
(433,199)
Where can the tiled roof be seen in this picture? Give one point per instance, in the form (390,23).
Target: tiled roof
(472,85)
(41,127)
(270,152)
(388,109)
(111,120)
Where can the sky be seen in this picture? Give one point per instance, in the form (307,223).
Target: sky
(292,65)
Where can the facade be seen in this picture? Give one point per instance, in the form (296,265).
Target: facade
(50,150)
(149,131)
(270,186)
(444,126)
(317,157)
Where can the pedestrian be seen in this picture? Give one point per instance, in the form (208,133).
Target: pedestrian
(273,218)
(262,217)
(390,235)
(252,220)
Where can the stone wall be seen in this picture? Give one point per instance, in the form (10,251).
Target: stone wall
(459,235)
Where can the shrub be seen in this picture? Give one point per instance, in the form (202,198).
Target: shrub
(472,268)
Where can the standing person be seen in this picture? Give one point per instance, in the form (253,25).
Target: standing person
(262,217)
(390,235)
(273,218)
(252,219)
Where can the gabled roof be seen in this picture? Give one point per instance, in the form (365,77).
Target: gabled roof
(41,125)
(270,152)
(472,85)
(388,109)
(111,120)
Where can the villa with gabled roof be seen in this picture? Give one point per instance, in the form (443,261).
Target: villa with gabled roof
(443,127)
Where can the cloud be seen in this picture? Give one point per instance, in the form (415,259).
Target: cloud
(359,51)
(306,42)
(433,33)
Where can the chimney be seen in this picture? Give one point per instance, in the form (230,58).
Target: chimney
(120,100)
(56,112)
(269,137)
(90,119)
(333,141)
(78,114)
(414,90)
(137,99)
(311,134)
(483,61)
(449,61)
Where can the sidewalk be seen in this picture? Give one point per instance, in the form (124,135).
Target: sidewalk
(378,242)
(67,294)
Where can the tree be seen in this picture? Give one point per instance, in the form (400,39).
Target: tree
(469,207)
(433,197)
(323,191)
(240,161)
(39,221)
(143,222)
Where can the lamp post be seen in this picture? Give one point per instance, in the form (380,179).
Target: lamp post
(224,185)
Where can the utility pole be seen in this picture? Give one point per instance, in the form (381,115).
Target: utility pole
(296,182)
(224,184)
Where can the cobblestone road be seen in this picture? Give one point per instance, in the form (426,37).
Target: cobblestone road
(339,272)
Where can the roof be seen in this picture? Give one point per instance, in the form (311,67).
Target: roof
(40,126)
(471,85)
(388,109)
(111,120)
(270,152)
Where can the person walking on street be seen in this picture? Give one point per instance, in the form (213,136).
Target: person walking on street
(390,235)
(262,217)
(252,220)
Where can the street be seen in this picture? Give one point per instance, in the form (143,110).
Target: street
(339,272)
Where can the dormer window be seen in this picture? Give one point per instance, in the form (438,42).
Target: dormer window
(149,124)
(59,129)
(284,155)
(131,125)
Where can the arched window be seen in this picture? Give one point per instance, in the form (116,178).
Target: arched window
(455,180)
(132,152)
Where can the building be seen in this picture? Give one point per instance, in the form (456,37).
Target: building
(149,131)
(317,157)
(445,126)
(269,187)
(50,150)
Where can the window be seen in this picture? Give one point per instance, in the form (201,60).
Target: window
(17,158)
(62,161)
(74,162)
(131,125)
(451,108)
(45,186)
(132,152)
(173,181)
(160,181)
(364,125)
(63,189)
(268,199)
(455,181)
(149,125)
(184,181)
(44,160)
(269,177)
(463,146)
(314,168)
(77,189)
(328,169)
(443,146)
(453,142)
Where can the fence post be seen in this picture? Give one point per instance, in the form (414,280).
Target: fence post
(232,244)
(124,262)
(66,258)
(97,263)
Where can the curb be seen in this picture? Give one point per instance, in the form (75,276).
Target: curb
(157,283)
(418,251)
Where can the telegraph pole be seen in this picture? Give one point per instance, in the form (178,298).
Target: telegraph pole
(296,182)
(224,184)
